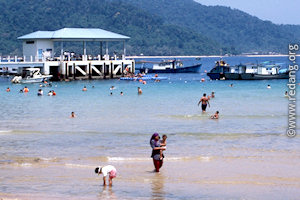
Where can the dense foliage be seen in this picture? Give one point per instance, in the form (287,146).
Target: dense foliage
(156,27)
(149,35)
(230,27)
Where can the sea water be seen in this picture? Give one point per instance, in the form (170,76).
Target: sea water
(45,154)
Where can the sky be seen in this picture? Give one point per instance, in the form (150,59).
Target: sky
(276,11)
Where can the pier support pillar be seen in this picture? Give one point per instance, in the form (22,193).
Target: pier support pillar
(101,50)
(67,71)
(89,66)
(106,51)
(124,51)
(62,51)
(111,70)
(84,51)
(74,70)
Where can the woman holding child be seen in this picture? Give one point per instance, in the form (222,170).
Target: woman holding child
(157,147)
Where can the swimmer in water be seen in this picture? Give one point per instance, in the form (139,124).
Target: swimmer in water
(140,90)
(211,96)
(40,92)
(84,89)
(286,94)
(269,87)
(215,116)
(204,101)
(26,89)
(72,115)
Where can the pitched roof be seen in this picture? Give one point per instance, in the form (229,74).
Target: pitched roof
(76,34)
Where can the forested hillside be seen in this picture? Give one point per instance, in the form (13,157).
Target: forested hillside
(149,34)
(230,27)
(156,27)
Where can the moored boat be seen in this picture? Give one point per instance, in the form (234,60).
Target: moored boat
(265,70)
(31,75)
(169,66)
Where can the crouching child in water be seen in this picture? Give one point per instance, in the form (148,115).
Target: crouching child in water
(107,170)
(215,116)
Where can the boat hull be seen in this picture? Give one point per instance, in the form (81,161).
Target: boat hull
(263,77)
(246,76)
(215,76)
(31,80)
(37,80)
(189,69)
(232,76)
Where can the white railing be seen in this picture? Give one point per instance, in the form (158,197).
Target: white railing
(17,59)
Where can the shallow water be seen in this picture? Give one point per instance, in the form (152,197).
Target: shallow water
(243,155)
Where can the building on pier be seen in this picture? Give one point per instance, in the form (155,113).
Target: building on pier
(38,51)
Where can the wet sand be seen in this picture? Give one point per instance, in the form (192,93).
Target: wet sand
(259,177)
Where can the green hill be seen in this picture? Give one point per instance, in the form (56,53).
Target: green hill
(230,27)
(156,27)
(149,34)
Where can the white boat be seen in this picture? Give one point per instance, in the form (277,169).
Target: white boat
(31,75)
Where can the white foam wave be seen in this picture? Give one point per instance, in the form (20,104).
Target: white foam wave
(5,131)
(25,164)
(124,159)
(127,159)
(54,159)
(71,165)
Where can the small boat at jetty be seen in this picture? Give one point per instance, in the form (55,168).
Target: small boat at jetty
(31,75)
(265,70)
(169,66)
(143,77)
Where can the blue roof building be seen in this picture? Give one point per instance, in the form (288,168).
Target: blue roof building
(40,43)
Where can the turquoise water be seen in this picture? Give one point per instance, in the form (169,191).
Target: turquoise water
(38,137)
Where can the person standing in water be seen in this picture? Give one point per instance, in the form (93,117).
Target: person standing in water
(155,145)
(204,101)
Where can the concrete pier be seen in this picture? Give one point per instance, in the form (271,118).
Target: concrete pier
(72,70)
(38,50)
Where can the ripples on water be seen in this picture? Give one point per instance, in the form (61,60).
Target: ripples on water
(38,137)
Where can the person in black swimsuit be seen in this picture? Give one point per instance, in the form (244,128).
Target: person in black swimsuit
(204,101)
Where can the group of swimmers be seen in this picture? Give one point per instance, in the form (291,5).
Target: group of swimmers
(121,93)
(24,90)
(204,101)
(50,93)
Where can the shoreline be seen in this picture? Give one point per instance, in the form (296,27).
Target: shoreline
(206,56)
